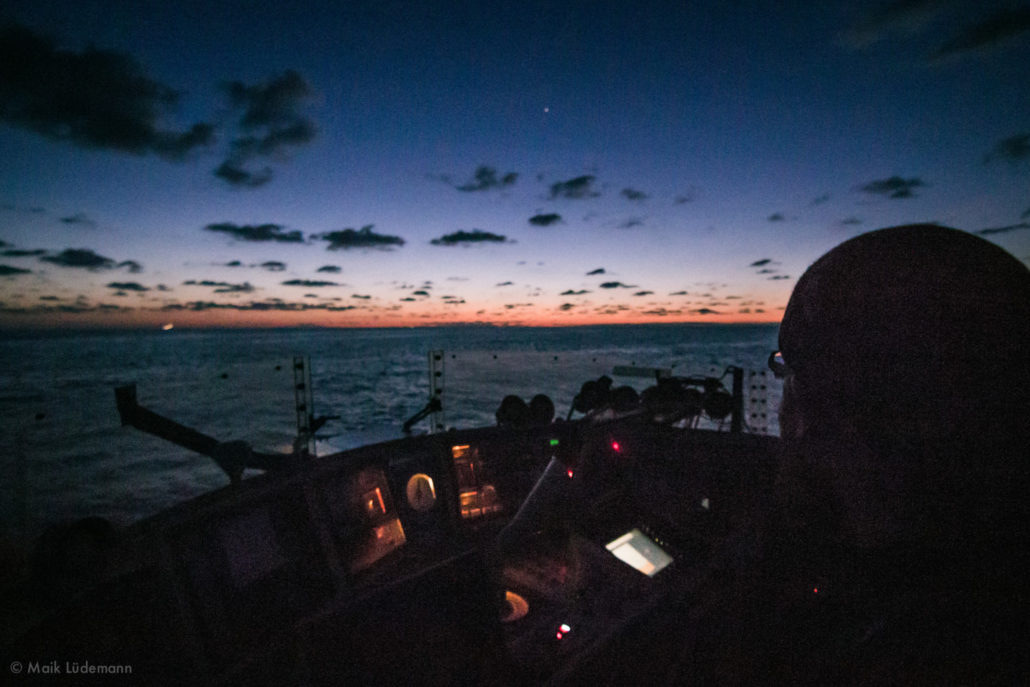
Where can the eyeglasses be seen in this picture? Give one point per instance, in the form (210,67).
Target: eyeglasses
(778,365)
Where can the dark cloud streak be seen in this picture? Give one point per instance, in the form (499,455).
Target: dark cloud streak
(346,239)
(94,99)
(580,187)
(258,232)
(1000,27)
(545,220)
(486,179)
(128,286)
(271,122)
(894,187)
(1014,149)
(80,257)
(466,237)
(309,283)
(1005,229)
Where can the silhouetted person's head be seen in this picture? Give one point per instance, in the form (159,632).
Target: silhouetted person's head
(908,352)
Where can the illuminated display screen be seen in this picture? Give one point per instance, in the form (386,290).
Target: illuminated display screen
(476,496)
(638,551)
(371,505)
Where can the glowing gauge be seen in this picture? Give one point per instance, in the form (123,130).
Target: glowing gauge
(421,492)
(515,607)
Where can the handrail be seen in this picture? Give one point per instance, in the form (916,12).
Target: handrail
(232,456)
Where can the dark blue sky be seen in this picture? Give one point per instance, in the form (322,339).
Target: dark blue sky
(404,163)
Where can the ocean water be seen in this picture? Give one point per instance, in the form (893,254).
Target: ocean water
(64,455)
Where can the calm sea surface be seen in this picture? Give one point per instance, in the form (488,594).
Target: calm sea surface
(63,453)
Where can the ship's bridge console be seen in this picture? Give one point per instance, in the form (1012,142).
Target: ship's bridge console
(489,556)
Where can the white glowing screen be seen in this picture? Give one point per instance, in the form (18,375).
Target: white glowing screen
(638,551)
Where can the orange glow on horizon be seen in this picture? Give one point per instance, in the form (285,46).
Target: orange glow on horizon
(156,319)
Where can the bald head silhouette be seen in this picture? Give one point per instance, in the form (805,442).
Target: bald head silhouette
(909,353)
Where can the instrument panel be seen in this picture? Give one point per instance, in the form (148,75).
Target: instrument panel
(432,495)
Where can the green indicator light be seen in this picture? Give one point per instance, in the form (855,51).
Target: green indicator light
(554,442)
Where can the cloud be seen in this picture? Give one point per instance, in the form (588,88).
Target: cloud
(79,307)
(1000,27)
(898,17)
(234,263)
(633,194)
(80,257)
(10,207)
(679,293)
(776,217)
(271,122)
(245,287)
(705,311)
(616,285)
(761,263)
(1026,213)
(688,197)
(566,306)
(1014,149)
(420,292)
(851,221)
(128,286)
(778,277)
(474,236)
(222,286)
(235,175)
(580,187)
(360,296)
(309,283)
(505,283)
(199,306)
(570,292)
(257,232)
(19,253)
(644,293)
(820,199)
(893,187)
(599,270)
(545,220)
(8,270)
(331,269)
(631,223)
(133,266)
(485,179)
(80,219)
(274,266)
(1005,229)
(93,99)
(346,239)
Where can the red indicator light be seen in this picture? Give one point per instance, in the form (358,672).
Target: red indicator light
(558,635)
(815,590)
(569,473)
(616,446)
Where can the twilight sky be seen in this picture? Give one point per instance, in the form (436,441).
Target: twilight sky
(389,163)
